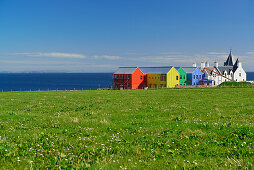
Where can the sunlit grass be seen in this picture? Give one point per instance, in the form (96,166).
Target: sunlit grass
(153,129)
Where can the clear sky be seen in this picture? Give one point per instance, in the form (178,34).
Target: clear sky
(101,35)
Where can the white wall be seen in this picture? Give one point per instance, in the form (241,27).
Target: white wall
(240,75)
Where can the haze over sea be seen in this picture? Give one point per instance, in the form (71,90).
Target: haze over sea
(60,81)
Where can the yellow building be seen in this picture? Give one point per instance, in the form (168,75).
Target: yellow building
(161,77)
(156,80)
(172,78)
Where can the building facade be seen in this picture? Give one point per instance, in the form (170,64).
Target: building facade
(194,75)
(170,77)
(230,71)
(182,76)
(129,78)
(161,77)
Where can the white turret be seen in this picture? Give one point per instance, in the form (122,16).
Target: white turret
(202,64)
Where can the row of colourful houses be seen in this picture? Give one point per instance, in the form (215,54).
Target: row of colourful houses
(170,77)
(156,77)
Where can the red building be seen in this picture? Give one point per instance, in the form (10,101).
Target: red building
(129,78)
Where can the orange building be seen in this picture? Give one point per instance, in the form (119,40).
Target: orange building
(129,78)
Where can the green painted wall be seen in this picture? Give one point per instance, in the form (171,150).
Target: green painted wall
(183,77)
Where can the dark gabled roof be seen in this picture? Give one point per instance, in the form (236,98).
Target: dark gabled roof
(189,69)
(155,70)
(217,70)
(125,70)
(222,69)
(235,65)
(229,61)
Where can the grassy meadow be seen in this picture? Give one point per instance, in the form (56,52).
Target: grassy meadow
(110,129)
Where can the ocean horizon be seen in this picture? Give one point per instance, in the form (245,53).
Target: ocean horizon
(60,81)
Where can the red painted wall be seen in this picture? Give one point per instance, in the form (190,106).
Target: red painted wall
(138,79)
(130,81)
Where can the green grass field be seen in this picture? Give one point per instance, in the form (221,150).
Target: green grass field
(155,129)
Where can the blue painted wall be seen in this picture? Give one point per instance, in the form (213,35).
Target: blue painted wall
(197,75)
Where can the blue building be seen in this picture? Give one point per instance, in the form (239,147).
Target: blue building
(194,75)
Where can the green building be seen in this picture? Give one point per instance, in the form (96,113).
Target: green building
(183,76)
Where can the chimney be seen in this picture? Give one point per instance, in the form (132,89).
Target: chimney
(216,64)
(207,64)
(202,64)
(194,64)
(239,64)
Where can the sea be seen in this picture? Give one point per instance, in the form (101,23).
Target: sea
(60,81)
(54,81)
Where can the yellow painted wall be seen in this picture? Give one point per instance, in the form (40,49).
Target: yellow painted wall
(172,79)
(154,80)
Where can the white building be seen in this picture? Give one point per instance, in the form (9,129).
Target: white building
(239,73)
(232,70)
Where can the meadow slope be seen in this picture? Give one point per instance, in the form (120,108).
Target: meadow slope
(164,128)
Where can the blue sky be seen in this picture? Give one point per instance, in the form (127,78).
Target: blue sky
(101,35)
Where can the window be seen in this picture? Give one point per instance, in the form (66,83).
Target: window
(161,78)
(176,77)
(181,77)
(196,76)
(141,77)
(199,76)
(240,74)
(129,85)
(129,76)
